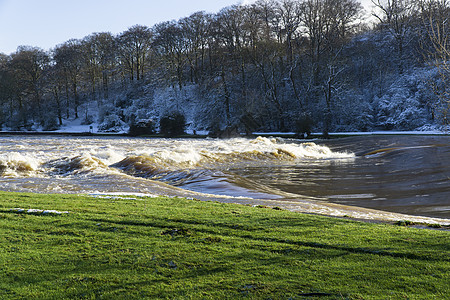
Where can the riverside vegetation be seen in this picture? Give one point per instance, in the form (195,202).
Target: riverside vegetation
(269,66)
(174,248)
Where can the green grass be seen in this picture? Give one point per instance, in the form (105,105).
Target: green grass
(184,249)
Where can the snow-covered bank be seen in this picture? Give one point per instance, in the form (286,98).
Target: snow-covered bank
(353,133)
(74,127)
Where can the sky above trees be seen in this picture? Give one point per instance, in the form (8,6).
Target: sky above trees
(47,23)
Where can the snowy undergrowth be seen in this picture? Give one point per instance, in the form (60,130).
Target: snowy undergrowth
(404,104)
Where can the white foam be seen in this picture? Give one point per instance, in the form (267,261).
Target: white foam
(14,163)
(300,151)
(182,155)
(108,155)
(176,154)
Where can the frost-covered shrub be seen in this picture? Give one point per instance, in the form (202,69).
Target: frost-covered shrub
(352,112)
(362,118)
(405,104)
(112,123)
(398,111)
(106,110)
(133,114)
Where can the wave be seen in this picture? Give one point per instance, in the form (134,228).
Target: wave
(13,164)
(179,162)
(170,161)
(143,166)
(80,164)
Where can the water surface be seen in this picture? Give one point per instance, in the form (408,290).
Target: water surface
(405,174)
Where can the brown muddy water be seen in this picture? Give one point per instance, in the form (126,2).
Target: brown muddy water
(402,174)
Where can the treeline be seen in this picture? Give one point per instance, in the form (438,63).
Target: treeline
(272,65)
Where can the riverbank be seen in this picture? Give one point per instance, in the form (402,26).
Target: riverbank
(86,131)
(146,248)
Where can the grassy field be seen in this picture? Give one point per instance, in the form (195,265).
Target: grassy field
(172,248)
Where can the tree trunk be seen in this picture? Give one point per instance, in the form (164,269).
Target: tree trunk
(76,99)
(227,98)
(56,93)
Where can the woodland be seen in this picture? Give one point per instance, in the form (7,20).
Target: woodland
(275,65)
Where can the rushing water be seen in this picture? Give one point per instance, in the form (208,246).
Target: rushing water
(406,174)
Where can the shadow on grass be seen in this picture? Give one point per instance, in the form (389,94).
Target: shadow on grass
(235,229)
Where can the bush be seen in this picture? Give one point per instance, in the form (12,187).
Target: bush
(112,123)
(172,124)
(142,127)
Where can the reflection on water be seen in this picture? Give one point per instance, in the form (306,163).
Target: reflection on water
(407,174)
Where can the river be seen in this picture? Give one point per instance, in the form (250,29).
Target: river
(399,174)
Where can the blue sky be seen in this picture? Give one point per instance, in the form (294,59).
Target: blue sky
(47,23)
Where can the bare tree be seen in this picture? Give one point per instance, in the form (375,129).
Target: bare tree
(266,10)
(289,12)
(135,45)
(69,57)
(171,47)
(30,64)
(347,17)
(437,18)
(195,30)
(99,51)
(396,16)
(315,26)
(55,85)
(328,24)
(8,88)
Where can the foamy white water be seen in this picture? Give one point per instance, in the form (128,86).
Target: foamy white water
(89,165)
(39,155)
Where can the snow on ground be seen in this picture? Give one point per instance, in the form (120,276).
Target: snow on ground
(39,211)
(197,132)
(75,126)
